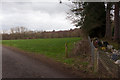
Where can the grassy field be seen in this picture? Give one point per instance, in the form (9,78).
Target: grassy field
(54,48)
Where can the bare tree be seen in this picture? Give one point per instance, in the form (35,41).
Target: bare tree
(12,30)
(23,29)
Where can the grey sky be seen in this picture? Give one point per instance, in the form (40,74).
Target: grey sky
(37,15)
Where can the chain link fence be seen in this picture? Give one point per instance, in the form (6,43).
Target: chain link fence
(102,63)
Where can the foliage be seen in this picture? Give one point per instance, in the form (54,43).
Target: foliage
(92,17)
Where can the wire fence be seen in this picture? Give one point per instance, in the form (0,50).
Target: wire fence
(102,63)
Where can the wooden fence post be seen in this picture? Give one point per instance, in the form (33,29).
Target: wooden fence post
(66,50)
(118,71)
(96,60)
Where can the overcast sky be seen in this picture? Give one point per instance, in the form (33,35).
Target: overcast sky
(35,15)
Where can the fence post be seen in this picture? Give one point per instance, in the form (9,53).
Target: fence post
(96,55)
(92,51)
(97,61)
(118,71)
(66,50)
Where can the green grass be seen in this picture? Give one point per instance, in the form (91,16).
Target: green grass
(54,48)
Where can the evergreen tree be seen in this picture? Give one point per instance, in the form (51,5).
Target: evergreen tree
(94,22)
(92,17)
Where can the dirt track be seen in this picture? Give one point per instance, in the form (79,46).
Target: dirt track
(17,65)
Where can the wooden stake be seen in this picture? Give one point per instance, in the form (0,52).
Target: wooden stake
(96,61)
(66,50)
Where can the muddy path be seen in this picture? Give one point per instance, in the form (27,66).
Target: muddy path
(19,64)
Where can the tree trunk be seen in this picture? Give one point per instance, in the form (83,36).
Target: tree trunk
(116,29)
(108,33)
(119,34)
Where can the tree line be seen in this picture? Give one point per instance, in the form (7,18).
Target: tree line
(24,33)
